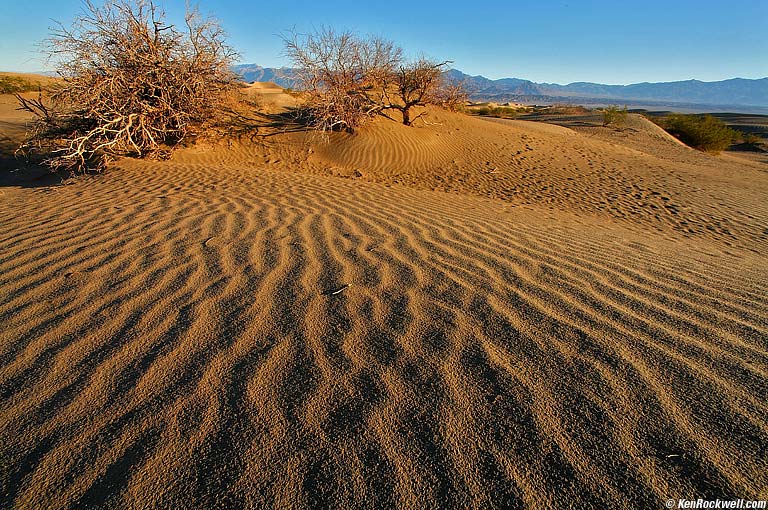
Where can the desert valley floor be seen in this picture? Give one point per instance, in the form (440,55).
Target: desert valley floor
(467,313)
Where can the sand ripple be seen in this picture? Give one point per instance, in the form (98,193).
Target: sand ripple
(199,336)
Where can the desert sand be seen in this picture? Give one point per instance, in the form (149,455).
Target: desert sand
(467,313)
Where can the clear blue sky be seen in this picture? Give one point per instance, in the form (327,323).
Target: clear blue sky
(616,41)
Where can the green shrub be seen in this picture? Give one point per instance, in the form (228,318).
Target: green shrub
(614,116)
(703,132)
(564,109)
(16,84)
(503,112)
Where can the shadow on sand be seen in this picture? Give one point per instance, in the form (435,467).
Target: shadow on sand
(16,170)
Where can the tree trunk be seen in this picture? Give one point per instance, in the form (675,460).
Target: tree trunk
(407,116)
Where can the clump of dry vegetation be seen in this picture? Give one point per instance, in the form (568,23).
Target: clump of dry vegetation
(132,84)
(348,79)
(751,140)
(702,132)
(420,83)
(340,74)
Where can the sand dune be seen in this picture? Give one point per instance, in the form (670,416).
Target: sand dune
(270,96)
(487,316)
(12,126)
(638,176)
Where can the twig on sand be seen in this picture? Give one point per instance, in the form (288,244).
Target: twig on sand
(339,290)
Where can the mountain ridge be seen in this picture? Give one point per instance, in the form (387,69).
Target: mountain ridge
(732,91)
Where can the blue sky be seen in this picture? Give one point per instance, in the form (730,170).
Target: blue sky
(545,41)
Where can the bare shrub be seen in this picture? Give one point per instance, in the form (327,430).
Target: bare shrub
(349,79)
(419,83)
(340,74)
(451,94)
(751,139)
(132,84)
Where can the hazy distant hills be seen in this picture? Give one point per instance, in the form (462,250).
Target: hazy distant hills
(252,72)
(736,91)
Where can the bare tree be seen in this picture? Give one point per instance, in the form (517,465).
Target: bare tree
(420,83)
(451,94)
(132,84)
(341,75)
(348,79)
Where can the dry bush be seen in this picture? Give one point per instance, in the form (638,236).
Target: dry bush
(751,139)
(420,83)
(349,79)
(340,74)
(132,84)
(451,94)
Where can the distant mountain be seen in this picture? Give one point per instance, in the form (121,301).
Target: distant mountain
(480,86)
(252,72)
(736,91)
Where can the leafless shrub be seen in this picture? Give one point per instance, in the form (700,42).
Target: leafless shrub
(451,94)
(340,74)
(350,79)
(131,84)
(420,83)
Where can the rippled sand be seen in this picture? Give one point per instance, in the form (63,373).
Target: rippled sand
(577,322)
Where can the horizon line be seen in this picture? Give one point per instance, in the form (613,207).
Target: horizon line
(562,83)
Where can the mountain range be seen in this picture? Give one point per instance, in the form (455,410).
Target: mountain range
(733,92)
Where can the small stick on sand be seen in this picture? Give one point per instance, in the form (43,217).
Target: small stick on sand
(339,290)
